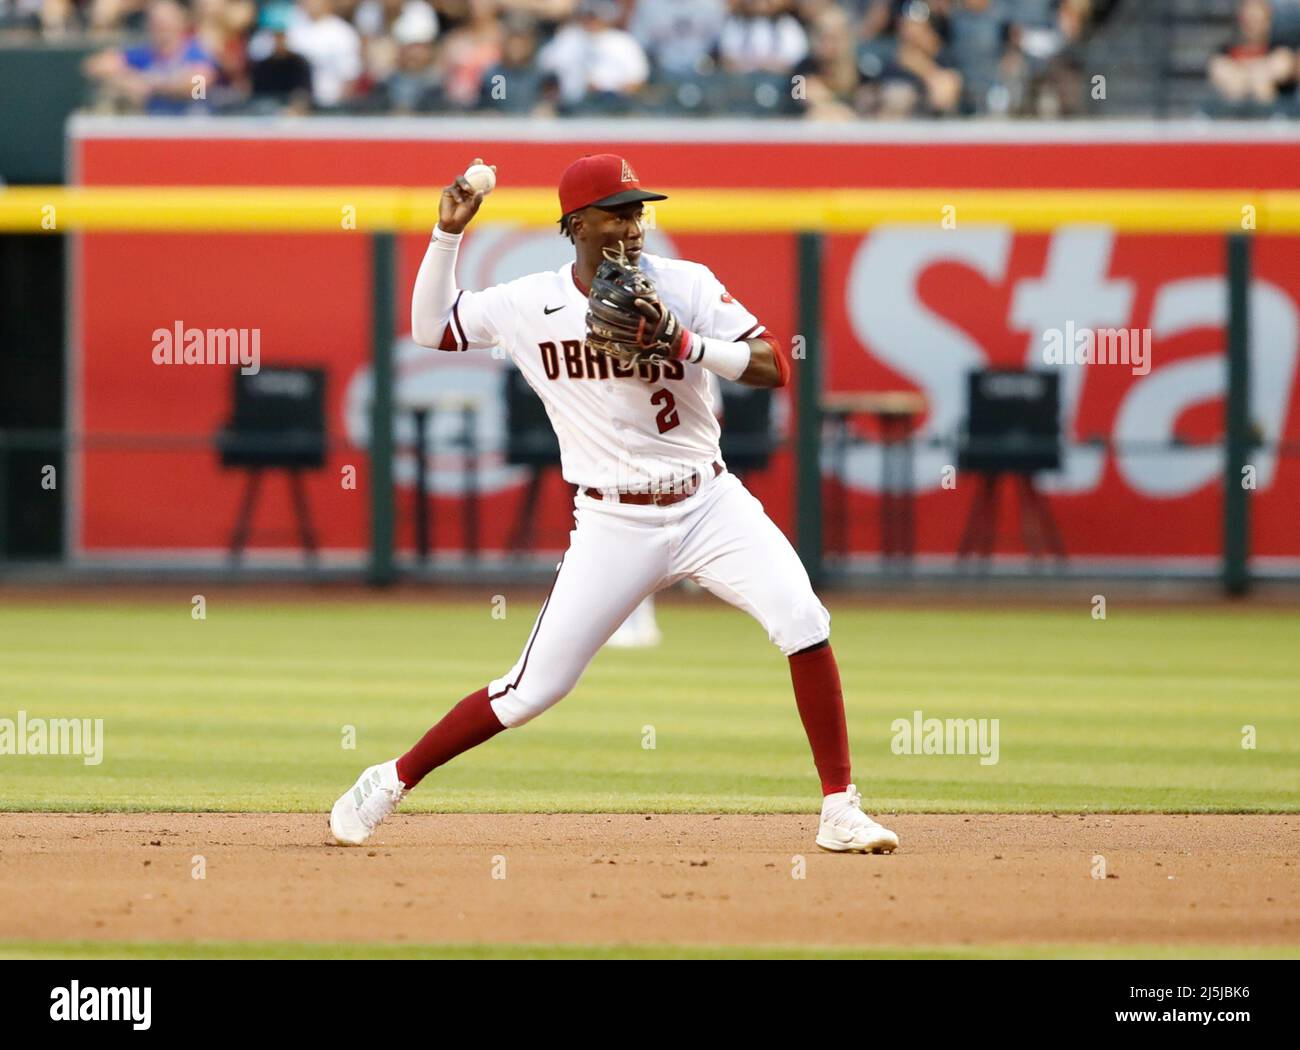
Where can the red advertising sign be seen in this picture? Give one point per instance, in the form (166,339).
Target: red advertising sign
(905,308)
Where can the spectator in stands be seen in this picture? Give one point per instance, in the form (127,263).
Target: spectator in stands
(679,36)
(1249,73)
(921,30)
(1042,68)
(761,36)
(904,57)
(221,28)
(375,20)
(415,86)
(282,80)
(830,72)
(468,53)
(596,63)
(169,75)
(515,85)
(332,48)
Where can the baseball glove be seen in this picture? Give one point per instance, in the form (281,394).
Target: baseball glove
(625,318)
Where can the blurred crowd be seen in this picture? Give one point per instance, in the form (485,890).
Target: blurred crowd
(825,59)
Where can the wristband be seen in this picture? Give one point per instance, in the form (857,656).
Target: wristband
(728,360)
(690,341)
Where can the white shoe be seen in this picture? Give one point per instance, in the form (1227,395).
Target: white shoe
(845,828)
(365,805)
(639,631)
(638,637)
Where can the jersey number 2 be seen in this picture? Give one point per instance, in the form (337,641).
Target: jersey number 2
(667,417)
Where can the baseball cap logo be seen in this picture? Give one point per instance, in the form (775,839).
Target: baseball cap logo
(627,174)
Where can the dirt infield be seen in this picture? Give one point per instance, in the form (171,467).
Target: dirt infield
(683,879)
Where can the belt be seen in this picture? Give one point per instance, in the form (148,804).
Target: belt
(685,490)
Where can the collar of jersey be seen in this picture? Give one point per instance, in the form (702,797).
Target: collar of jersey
(577,284)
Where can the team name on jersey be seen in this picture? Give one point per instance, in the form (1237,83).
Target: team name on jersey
(573,359)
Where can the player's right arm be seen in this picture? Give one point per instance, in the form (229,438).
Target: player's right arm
(444,316)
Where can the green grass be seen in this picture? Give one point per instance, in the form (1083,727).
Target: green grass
(246,710)
(310,950)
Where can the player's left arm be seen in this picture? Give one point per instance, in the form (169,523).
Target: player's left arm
(735,344)
(767,365)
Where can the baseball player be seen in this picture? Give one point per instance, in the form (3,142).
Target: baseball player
(618,344)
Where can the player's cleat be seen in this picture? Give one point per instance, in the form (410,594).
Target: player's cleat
(635,638)
(639,631)
(365,805)
(846,829)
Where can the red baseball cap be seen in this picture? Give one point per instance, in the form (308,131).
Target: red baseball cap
(601,181)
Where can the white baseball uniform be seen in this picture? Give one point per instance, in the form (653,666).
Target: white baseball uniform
(644,428)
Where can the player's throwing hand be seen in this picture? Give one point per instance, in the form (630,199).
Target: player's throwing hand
(459,204)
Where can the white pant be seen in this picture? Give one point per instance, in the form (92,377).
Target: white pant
(618,553)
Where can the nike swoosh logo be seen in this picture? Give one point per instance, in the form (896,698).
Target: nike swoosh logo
(551,309)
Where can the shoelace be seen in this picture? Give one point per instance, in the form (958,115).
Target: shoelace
(851,808)
(379,803)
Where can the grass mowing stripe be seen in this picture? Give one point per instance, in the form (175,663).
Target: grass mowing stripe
(1141,713)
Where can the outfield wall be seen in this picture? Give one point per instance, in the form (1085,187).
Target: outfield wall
(904,307)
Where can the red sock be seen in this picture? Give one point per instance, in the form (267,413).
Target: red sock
(466,725)
(820,701)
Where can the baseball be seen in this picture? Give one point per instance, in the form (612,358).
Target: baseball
(482,178)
